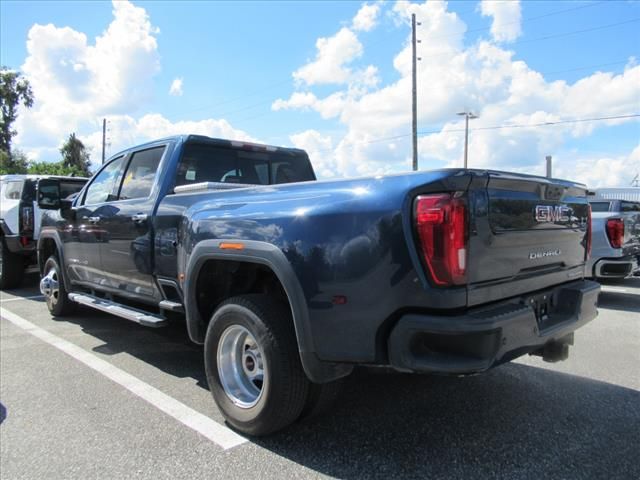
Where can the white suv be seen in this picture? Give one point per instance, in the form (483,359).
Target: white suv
(20,223)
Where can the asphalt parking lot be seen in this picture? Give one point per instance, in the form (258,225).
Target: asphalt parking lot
(71,416)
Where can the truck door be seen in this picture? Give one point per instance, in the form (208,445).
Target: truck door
(84,234)
(127,259)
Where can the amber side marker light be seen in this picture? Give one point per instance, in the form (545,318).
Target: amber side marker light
(232,246)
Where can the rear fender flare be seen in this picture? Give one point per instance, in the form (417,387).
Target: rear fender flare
(272,257)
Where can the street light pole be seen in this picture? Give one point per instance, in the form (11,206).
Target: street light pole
(467,116)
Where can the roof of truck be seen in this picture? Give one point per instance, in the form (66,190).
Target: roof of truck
(215,141)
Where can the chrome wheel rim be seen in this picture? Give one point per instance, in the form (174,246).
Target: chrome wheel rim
(50,287)
(241,366)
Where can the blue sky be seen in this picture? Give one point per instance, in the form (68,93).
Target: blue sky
(254,70)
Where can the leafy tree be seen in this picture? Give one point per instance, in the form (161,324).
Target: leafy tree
(15,162)
(55,168)
(75,155)
(14,90)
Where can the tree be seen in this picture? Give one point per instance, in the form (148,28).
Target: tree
(15,162)
(14,90)
(75,155)
(54,168)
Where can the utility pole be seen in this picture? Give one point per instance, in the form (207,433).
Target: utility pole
(414,94)
(104,135)
(549,158)
(467,116)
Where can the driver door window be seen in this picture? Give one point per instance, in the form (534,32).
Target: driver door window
(101,189)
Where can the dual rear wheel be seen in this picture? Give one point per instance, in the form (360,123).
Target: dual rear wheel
(253,367)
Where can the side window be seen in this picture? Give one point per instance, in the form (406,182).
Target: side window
(140,174)
(629,207)
(13,190)
(102,186)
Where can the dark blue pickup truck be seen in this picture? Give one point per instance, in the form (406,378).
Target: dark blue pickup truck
(289,282)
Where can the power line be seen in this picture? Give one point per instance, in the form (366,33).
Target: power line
(555,35)
(586,67)
(497,127)
(524,20)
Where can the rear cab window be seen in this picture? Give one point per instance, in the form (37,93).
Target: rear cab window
(599,206)
(212,163)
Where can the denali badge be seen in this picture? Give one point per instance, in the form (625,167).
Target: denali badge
(548,213)
(548,253)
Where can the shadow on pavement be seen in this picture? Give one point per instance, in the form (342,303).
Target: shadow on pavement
(168,349)
(514,422)
(625,302)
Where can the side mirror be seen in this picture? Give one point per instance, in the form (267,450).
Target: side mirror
(49,194)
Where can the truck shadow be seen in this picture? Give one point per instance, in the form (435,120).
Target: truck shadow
(168,349)
(514,422)
(624,302)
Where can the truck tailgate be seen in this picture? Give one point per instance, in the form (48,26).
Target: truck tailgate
(530,233)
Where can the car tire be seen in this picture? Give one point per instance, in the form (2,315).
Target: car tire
(11,267)
(53,289)
(253,366)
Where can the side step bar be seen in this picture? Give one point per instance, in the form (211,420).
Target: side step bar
(129,313)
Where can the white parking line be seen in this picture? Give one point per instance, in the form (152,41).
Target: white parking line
(15,299)
(202,424)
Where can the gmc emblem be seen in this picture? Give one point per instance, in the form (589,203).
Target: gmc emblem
(548,213)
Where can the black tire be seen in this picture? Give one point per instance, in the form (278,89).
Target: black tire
(11,269)
(321,398)
(284,389)
(57,301)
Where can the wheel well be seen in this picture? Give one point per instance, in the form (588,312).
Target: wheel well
(219,280)
(47,248)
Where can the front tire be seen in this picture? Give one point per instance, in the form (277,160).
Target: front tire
(11,267)
(253,366)
(53,289)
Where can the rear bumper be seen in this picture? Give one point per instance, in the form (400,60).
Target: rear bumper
(484,338)
(14,246)
(616,267)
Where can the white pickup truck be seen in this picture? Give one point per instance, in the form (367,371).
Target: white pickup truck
(20,223)
(615,248)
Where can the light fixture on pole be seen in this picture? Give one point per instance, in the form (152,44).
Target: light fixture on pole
(467,116)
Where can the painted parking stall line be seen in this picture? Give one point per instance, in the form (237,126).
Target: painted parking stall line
(16,299)
(212,430)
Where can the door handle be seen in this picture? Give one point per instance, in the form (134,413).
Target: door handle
(139,218)
(93,219)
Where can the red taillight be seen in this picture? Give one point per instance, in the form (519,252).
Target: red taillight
(441,221)
(587,253)
(615,232)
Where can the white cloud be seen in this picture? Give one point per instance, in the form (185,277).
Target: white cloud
(483,77)
(333,56)
(176,87)
(76,83)
(596,172)
(507,18)
(367,17)
(126,130)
